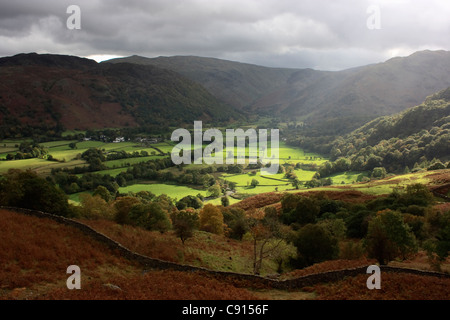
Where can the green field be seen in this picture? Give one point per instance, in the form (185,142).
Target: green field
(41,166)
(348,177)
(267,183)
(69,158)
(129,161)
(173,191)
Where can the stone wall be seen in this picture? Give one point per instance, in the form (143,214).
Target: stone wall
(249,279)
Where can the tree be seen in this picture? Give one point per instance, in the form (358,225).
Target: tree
(379,173)
(336,227)
(214,191)
(306,211)
(211,219)
(266,233)
(123,206)
(296,183)
(225,201)
(25,189)
(389,237)
(103,193)
(95,207)
(443,237)
(418,194)
(189,202)
(73,145)
(315,244)
(254,183)
(150,216)
(438,247)
(184,223)
(357,223)
(235,219)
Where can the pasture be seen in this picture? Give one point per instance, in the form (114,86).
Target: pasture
(70,157)
(173,191)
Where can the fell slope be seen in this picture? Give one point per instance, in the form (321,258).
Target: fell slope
(404,138)
(35,253)
(52,91)
(237,84)
(332,101)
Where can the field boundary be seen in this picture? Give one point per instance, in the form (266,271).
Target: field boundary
(248,279)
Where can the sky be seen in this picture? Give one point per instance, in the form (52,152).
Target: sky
(318,34)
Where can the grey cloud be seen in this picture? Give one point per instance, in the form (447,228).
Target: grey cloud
(289,33)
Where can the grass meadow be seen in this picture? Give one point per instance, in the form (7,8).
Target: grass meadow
(173,191)
(69,158)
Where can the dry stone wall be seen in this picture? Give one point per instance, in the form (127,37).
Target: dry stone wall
(151,263)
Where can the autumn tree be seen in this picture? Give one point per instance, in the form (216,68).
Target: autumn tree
(211,219)
(95,207)
(184,223)
(266,235)
(123,207)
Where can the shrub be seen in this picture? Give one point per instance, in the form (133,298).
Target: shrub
(351,250)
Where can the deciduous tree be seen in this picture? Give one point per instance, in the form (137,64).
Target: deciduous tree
(211,219)
(389,237)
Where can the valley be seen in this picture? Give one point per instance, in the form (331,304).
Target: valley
(363,176)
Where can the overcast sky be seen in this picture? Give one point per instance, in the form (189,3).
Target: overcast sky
(319,34)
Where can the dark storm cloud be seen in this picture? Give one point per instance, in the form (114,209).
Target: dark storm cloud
(321,34)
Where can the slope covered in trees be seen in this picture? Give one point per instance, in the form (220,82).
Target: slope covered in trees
(394,142)
(407,139)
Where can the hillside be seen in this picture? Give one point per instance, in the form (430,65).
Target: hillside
(45,94)
(237,84)
(373,90)
(33,267)
(35,253)
(403,139)
(329,102)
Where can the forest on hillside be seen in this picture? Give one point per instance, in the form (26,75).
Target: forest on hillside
(398,143)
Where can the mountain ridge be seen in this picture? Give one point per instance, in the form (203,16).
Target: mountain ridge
(362,93)
(55,92)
